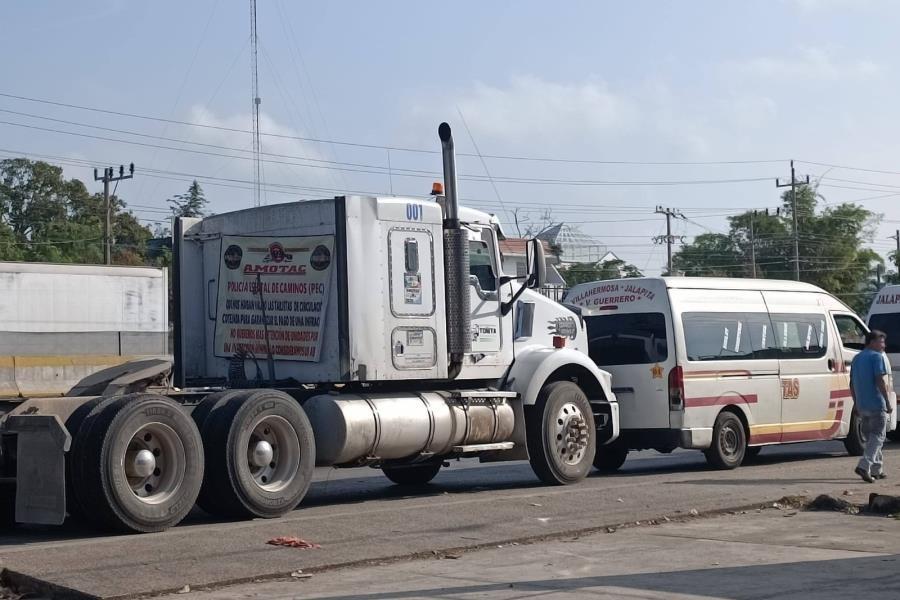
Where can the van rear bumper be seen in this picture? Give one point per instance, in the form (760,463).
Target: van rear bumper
(696,437)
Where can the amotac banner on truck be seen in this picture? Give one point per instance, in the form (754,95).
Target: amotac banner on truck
(284,278)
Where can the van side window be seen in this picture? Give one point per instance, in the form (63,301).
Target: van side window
(853,334)
(728,336)
(627,339)
(800,335)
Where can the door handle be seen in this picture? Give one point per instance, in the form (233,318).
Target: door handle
(831,364)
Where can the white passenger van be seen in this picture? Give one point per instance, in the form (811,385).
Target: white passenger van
(722,365)
(884,315)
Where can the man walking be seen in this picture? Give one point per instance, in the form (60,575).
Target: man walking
(870,397)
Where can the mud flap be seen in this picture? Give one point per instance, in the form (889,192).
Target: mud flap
(606,420)
(42,443)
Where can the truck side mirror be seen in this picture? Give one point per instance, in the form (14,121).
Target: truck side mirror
(537,264)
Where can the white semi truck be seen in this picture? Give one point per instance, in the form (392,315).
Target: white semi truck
(353,331)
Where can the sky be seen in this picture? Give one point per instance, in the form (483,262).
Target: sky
(595,95)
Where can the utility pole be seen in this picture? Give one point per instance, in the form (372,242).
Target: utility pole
(108,176)
(896,237)
(793,186)
(752,245)
(669,238)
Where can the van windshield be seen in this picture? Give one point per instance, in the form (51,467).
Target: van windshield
(889,323)
(627,339)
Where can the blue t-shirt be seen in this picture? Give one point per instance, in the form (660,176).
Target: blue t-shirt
(866,366)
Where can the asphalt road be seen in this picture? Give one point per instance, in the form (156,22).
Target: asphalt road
(358,516)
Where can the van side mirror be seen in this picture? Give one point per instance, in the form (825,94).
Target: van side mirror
(537,264)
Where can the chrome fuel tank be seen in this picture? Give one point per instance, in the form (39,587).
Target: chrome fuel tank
(352,427)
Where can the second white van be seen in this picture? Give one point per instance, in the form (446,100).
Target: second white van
(725,366)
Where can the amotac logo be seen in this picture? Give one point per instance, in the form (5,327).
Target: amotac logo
(277,254)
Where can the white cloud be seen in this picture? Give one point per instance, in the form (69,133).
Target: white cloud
(809,64)
(536,108)
(811,6)
(282,169)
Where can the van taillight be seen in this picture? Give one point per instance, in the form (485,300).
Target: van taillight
(676,389)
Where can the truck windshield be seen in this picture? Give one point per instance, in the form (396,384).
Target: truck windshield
(627,339)
(889,323)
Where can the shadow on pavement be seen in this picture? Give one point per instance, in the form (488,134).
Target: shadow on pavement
(815,580)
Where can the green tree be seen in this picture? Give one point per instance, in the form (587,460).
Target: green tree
(190,204)
(831,242)
(610,269)
(47,218)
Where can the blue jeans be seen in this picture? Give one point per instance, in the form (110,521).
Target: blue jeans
(874,424)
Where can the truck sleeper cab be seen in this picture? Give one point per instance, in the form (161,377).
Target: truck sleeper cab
(725,366)
(352,331)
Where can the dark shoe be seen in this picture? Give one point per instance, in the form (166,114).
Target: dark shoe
(864,474)
(880,476)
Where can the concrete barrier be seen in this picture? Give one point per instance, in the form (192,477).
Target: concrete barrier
(8,387)
(33,376)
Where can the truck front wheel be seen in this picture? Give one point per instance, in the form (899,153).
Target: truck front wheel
(260,455)
(560,434)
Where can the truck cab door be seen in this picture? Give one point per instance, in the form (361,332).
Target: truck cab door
(492,332)
(484,298)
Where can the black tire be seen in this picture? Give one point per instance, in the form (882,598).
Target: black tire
(99,476)
(729,443)
(73,425)
(548,450)
(894,435)
(419,474)
(751,453)
(855,442)
(235,488)
(209,403)
(610,457)
(7,505)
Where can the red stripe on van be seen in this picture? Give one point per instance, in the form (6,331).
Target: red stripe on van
(800,436)
(840,393)
(765,438)
(719,400)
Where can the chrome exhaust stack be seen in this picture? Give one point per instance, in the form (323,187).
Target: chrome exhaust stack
(456,263)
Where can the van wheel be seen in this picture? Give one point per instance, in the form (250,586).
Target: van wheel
(610,457)
(138,462)
(412,475)
(894,435)
(560,434)
(855,442)
(729,442)
(260,455)
(751,453)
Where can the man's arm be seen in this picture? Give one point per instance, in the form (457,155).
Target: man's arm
(881,383)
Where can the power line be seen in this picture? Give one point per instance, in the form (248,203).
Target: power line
(393,148)
(410,173)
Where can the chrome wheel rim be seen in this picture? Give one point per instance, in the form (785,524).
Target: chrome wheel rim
(570,434)
(273,453)
(154,463)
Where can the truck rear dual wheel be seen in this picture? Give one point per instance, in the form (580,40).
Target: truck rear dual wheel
(560,434)
(136,463)
(259,452)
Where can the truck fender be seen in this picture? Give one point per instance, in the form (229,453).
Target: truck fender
(536,366)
